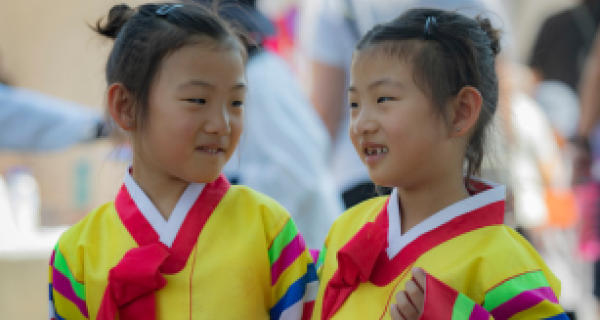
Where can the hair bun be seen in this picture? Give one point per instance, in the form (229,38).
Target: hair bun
(117,17)
(493,33)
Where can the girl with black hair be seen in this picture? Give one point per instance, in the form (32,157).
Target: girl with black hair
(423,91)
(179,241)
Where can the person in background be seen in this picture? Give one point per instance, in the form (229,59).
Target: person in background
(284,148)
(35,122)
(586,148)
(565,37)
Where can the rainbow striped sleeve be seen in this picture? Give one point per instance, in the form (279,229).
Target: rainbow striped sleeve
(293,275)
(67,295)
(525,296)
(443,302)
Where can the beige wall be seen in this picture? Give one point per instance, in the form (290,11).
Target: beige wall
(47,46)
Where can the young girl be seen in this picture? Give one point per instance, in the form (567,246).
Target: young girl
(179,242)
(422,93)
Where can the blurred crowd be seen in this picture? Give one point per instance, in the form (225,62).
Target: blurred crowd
(296,148)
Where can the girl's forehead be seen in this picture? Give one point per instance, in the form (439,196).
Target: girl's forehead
(194,60)
(377,63)
(403,50)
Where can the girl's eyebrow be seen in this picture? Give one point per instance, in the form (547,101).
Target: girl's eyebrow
(202,83)
(385,81)
(380,82)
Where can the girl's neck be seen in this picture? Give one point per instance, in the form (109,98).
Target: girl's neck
(420,202)
(162,189)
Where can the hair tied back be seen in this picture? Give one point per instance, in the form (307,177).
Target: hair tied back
(118,16)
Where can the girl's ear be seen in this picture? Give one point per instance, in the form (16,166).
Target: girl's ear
(465,111)
(121,106)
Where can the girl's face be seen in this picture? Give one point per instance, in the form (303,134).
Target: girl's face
(393,125)
(195,114)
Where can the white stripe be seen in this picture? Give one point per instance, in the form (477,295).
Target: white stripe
(294,312)
(167,230)
(51,310)
(185,203)
(312,289)
(397,241)
(394,225)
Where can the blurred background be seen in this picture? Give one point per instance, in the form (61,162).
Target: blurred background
(57,162)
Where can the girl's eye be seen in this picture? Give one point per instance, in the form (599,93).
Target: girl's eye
(197,101)
(237,103)
(353,105)
(384,99)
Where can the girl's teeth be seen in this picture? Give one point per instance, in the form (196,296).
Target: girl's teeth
(376,151)
(211,150)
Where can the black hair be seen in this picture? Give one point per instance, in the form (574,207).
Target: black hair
(144,36)
(448,51)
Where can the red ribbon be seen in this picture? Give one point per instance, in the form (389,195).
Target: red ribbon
(355,265)
(132,283)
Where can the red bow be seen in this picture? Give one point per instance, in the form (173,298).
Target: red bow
(132,282)
(355,264)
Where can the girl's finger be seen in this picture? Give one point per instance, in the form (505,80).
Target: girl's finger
(395,313)
(406,308)
(419,276)
(415,295)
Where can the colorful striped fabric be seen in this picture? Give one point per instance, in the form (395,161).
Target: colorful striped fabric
(526,296)
(294,282)
(465,308)
(521,294)
(67,295)
(444,303)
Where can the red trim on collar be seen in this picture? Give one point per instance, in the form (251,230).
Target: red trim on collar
(143,233)
(193,224)
(131,285)
(384,270)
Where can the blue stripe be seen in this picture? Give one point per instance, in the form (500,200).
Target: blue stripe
(54,306)
(561,316)
(311,273)
(294,293)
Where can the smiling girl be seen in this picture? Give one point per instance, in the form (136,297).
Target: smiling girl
(423,91)
(178,242)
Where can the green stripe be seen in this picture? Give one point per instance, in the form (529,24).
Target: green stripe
(513,287)
(322,255)
(285,236)
(60,264)
(462,307)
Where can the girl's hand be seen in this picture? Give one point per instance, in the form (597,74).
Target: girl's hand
(409,302)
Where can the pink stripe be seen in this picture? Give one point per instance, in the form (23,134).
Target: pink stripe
(524,301)
(290,253)
(62,285)
(314,254)
(479,313)
(52,257)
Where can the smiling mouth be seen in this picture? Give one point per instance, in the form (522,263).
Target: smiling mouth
(211,150)
(375,151)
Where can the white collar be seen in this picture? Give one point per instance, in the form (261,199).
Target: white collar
(167,230)
(397,241)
